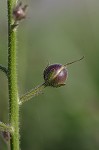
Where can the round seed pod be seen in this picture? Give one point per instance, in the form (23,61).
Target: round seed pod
(55,75)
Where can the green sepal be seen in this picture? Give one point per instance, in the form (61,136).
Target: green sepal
(4,127)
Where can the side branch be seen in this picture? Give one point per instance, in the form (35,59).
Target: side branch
(4,69)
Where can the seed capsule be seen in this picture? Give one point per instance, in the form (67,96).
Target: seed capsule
(55,75)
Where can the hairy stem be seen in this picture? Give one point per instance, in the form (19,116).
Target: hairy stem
(12,80)
(27,96)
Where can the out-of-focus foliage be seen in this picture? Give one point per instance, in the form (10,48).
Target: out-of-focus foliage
(57,32)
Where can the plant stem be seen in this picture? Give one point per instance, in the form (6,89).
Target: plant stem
(27,96)
(12,80)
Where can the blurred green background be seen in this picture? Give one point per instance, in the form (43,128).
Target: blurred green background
(55,31)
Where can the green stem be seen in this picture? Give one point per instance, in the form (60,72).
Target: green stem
(12,80)
(27,96)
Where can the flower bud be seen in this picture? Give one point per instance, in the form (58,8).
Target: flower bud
(6,136)
(55,75)
(19,12)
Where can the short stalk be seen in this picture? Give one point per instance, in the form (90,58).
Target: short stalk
(27,96)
